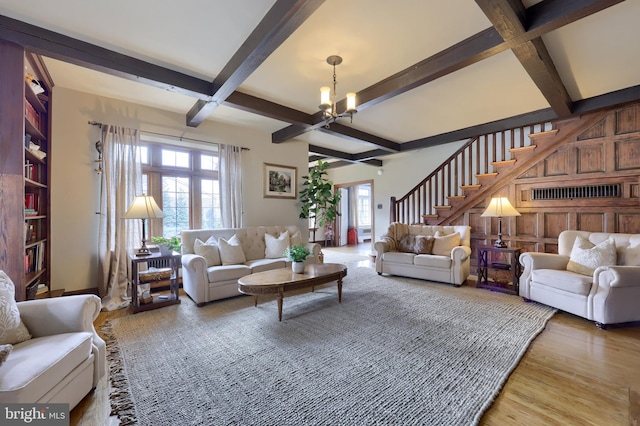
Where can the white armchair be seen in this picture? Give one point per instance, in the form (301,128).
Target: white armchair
(610,296)
(64,359)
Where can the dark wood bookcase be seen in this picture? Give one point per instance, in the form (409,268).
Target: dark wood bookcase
(25,243)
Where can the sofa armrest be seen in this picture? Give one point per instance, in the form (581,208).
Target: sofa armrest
(533,260)
(385,244)
(617,276)
(615,295)
(460,253)
(67,314)
(194,278)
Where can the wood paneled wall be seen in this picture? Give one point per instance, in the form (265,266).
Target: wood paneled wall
(606,153)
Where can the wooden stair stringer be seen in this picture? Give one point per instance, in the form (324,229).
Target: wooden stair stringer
(568,132)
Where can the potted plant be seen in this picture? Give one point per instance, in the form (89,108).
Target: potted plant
(167,245)
(297,256)
(319,202)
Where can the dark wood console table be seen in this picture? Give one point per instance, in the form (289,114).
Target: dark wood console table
(499,269)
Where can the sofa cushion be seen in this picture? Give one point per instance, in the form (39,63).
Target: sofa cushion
(586,256)
(209,250)
(628,256)
(432,261)
(260,265)
(64,352)
(443,244)
(227,272)
(275,247)
(231,251)
(563,280)
(398,257)
(12,329)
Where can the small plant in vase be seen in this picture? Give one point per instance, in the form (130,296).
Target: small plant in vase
(167,245)
(297,256)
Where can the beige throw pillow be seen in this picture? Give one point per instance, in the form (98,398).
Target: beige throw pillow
(12,329)
(209,250)
(628,256)
(275,247)
(443,244)
(586,257)
(295,239)
(231,251)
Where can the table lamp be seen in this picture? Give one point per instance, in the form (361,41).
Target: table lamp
(143,207)
(500,207)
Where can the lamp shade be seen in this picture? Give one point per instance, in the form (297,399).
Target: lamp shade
(500,207)
(144,207)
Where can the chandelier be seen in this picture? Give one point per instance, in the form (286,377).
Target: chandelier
(328,103)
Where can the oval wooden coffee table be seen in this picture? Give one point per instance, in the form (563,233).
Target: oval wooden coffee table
(279,281)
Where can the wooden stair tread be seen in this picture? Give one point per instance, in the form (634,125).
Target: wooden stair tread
(456,197)
(470,187)
(545,133)
(430,216)
(503,163)
(442,207)
(486,175)
(522,149)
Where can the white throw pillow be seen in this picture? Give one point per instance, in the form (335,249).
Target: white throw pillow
(275,247)
(209,250)
(12,329)
(586,257)
(443,244)
(231,251)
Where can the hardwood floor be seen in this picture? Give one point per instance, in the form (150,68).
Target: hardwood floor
(572,374)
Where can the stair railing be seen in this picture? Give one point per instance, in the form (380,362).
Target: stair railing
(476,157)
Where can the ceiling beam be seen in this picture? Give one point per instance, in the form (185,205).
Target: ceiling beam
(359,136)
(284,17)
(266,108)
(509,19)
(328,152)
(543,17)
(64,48)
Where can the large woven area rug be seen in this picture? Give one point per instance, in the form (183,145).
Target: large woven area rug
(396,351)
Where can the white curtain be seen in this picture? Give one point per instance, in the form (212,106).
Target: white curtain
(353,209)
(120,183)
(231,186)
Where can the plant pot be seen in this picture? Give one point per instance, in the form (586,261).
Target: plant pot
(297,267)
(165,250)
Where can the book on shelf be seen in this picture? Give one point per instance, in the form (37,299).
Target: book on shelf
(34,258)
(30,212)
(30,202)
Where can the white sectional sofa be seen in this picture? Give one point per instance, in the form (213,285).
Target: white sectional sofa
(607,292)
(447,261)
(211,274)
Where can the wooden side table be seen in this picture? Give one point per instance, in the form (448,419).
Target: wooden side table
(158,300)
(499,268)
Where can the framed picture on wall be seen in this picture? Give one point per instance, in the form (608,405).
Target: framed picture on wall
(279,181)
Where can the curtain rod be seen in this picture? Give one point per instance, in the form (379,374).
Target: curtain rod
(95,123)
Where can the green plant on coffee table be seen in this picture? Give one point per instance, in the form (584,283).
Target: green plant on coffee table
(173,243)
(297,253)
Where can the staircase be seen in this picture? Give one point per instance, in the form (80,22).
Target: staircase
(482,166)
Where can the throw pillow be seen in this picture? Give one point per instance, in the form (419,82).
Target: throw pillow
(443,244)
(231,251)
(424,244)
(275,247)
(209,250)
(5,350)
(407,243)
(628,256)
(12,329)
(296,239)
(586,257)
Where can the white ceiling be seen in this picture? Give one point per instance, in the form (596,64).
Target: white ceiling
(376,38)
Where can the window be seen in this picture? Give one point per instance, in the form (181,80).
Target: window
(364,205)
(184,182)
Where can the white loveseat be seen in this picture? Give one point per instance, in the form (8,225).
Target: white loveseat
(610,295)
(210,279)
(63,360)
(449,264)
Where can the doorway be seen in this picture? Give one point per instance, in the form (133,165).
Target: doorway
(355,224)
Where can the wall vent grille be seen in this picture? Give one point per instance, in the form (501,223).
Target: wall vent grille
(573,192)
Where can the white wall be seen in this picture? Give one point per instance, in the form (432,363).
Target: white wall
(400,174)
(74,184)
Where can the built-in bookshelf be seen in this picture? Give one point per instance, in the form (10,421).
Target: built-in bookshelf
(25,91)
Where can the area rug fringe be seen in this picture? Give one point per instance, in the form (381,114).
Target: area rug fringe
(120,395)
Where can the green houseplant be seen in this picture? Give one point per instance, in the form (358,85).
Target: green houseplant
(172,244)
(319,202)
(297,255)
